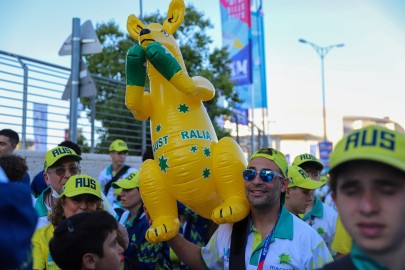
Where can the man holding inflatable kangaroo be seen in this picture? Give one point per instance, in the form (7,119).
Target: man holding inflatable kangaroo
(270,237)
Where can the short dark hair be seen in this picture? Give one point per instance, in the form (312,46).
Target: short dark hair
(80,234)
(311,164)
(335,172)
(14,166)
(58,214)
(11,134)
(72,145)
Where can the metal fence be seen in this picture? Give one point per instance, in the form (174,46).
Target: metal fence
(31,104)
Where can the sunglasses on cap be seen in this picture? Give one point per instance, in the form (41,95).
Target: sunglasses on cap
(266,175)
(61,171)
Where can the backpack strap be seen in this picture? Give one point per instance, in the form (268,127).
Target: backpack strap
(238,244)
(115,178)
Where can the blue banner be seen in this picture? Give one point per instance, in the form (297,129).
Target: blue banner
(240,116)
(236,24)
(325,148)
(258,62)
(259,87)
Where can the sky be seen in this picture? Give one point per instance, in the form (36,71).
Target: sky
(364,78)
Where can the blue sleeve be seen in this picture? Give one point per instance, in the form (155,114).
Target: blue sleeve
(26,180)
(150,256)
(17,226)
(38,184)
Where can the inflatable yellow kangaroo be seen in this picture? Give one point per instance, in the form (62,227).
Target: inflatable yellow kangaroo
(190,165)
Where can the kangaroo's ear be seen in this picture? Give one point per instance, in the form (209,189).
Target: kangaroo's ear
(134,26)
(175,16)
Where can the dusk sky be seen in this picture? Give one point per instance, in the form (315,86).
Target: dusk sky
(364,78)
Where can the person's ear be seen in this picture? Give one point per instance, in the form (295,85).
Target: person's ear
(287,192)
(284,184)
(89,261)
(333,194)
(46,177)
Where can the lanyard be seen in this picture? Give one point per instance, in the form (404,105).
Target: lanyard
(266,246)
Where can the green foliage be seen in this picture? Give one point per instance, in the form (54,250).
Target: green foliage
(81,140)
(195,47)
(110,62)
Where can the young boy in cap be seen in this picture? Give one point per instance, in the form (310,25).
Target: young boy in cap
(140,254)
(299,195)
(367,177)
(87,241)
(117,170)
(318,215)
(312,166)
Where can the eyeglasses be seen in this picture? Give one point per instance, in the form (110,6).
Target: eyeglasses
(313,172)
(61,171)
(266,175)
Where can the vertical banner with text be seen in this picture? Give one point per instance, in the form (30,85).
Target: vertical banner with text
(258,67)
(40,125)
(236,35)
(236,24)
(325,148)
(258,61)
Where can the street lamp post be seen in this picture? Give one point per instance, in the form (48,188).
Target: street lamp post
(322,52)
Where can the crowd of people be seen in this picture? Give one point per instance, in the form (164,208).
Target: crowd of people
(67,219)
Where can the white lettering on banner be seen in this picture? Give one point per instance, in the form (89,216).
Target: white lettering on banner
(239,67)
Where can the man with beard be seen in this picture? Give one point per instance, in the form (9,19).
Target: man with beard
(270,237)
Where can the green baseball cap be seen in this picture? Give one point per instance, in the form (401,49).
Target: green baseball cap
(81,184)
(299,178)
(55,154)
(307,158)
(118,146)
(129,182)
(374,143)
(275,156)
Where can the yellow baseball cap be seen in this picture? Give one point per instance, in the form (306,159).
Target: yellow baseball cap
(299,178)
(373,142)
(81,184)
(324,179)
(274,155)
(118,146)
(307,158)
(53,155)
(129,182)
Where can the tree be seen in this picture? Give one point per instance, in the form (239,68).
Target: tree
(194,44)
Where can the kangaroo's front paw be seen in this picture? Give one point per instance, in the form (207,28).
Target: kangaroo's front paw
(162,230)
(162,59)
(232,210)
